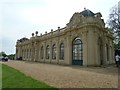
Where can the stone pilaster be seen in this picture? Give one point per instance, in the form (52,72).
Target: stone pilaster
(35,48)
(57,51)
(91,46)
(32,52)
(68,50)
(105,56)
(16,56)
(104,53)
(39,50)
(97,61)
(22,52)
(44,48)
(20,49)
(50,51)
(112,55)
(85,49)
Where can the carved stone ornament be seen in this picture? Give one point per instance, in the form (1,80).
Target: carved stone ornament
(75,20)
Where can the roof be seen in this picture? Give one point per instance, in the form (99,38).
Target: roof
(87,12)
(23,39)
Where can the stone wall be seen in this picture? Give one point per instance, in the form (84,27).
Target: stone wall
(97,42)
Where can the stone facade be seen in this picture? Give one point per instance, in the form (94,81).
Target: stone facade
(84,41)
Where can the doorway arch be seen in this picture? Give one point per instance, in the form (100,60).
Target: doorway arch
(77,52)
(100,43)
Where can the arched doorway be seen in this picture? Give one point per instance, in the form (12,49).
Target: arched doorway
(77,52)
(100,43)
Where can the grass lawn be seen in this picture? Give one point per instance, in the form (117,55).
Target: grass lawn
(12,78)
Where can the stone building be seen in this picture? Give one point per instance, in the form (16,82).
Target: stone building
(84,41)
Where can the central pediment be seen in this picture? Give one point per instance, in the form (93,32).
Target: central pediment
(75,19)
(83,17)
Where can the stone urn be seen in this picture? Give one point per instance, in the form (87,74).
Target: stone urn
(32,34)
(36,33)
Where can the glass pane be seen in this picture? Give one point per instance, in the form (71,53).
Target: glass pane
(54,52)
(77,49)
(61,51)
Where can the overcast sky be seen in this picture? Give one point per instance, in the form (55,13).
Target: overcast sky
(19,18)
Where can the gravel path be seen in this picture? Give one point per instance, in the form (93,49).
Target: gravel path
(69,76)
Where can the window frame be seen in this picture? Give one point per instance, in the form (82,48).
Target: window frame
(47,52)
(62,51)
(54,51)
(77,49)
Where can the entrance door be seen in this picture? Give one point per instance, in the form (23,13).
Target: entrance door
(77,52)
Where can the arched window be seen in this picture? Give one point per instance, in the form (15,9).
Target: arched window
(77,51)
(62,51)
(54,52)
(47,52)
(42,52)
(100,48)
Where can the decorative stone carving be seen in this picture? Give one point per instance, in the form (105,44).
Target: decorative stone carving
(75,19)
(98,15)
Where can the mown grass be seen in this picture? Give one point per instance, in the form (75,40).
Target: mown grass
(12,78)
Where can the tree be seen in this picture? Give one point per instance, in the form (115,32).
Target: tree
(114,24)
(11,56)
(117,46)
(3,54)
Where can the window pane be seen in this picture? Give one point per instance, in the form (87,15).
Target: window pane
(54,52)
(61,51)
(77,49)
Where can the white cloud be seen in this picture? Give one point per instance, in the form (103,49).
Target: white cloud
(22,17)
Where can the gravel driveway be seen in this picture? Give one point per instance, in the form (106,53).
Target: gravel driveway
(69,76)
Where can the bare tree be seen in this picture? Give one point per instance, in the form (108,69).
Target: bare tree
(114,22)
